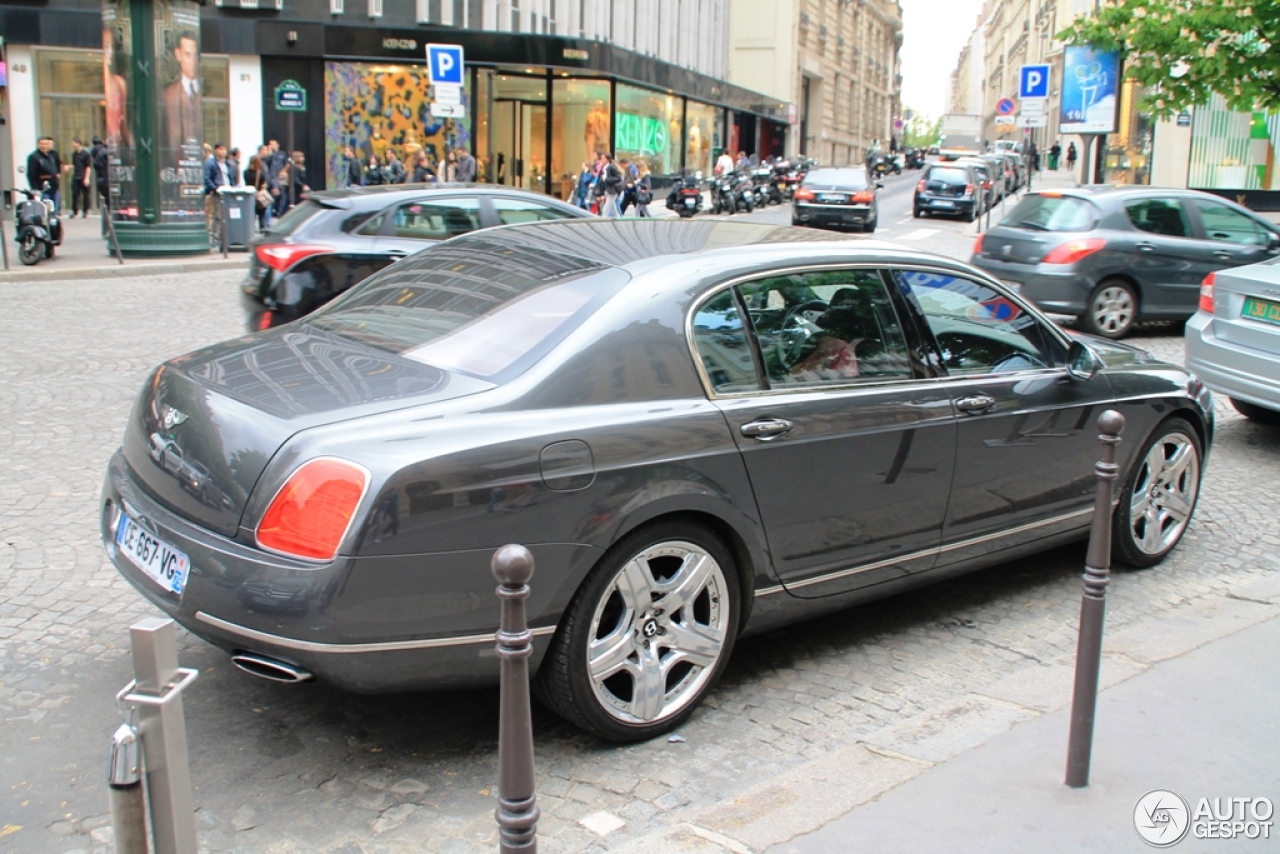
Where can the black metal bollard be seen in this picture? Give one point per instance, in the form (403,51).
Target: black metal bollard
(1093,605)
(517,811)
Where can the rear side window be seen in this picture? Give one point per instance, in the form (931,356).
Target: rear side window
(949,175)
(436,219)
(1053,213)
(1159,216)
(515,211)
(293,220)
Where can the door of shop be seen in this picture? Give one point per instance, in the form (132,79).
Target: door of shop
(520,144)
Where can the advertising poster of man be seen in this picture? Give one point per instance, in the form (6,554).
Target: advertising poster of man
(116,41)
(180,110)
(1090,81)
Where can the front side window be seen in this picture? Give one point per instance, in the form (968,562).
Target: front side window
(720,338)
(1230,226)
(1159,216)
(827,328)
(436,219)
(977,329)
(514,211)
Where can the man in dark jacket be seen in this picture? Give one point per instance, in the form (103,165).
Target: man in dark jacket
(466,171)
(101,160)
(43,165)
(81,160)
(394,168)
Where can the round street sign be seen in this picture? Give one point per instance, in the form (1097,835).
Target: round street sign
(1004,107)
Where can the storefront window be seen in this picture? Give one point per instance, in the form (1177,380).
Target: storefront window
(580,113)
(704,141)
(215,88)
(375,107)
(649,128)
(71,98)
(1234,151)
(1127,158)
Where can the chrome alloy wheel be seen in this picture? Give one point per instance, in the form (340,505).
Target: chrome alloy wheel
(1113,310)
(658,632)
(1164,493)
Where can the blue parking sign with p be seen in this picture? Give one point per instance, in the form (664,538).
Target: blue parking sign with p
(444,63)
(1033,82)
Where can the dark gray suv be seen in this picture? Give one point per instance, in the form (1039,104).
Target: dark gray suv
(1112,256)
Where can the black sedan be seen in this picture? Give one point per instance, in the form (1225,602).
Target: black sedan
(700,430)
(334,239)
(843,198)
(1114,256)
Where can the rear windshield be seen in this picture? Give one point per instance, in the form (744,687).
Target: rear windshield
(293,220)
(949,175)
(485,309)
(1053,213)
(844,179)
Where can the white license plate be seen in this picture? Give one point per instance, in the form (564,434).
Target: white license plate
(162,563)
(938,203)
(688,203)
(831,197)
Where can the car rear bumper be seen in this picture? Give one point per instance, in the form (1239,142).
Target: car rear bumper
(944,204)
(1228,368)
(364,624)
(832,215)
(1052,288)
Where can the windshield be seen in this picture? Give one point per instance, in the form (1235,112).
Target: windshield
(844,179)
(481,308)
(949,175)
(1052,213)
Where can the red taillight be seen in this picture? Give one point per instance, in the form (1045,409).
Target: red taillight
(264,322)
(1073,250)
(986,185)
(1206,293)
(281,256)
(920,186)
(804,195)
(977,245)
(865,197)
(313,510)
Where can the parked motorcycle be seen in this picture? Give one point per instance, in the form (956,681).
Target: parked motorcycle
(685,197)
(915,160)
(38,227)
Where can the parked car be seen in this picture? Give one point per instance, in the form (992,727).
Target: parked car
(699,430)
(334,239)
(993,179)
(843,197)
(949,189)
(1114,256)
(1233,341)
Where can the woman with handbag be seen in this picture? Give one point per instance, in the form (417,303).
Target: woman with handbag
(644,191)
(256,176)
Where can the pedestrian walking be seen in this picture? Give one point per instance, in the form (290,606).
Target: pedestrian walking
(44,166)
(374,175)
(81,161)
(1055,154)
(296,189)
(613,181)
(424,171)
(101,159)
(1071,155)
(394,168)
(216,174)
(276,163)
(630,175)
(466,169)
(724,163)
(255,176)
(644,191)
(586,178)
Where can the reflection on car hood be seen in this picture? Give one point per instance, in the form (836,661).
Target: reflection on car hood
(1114,354)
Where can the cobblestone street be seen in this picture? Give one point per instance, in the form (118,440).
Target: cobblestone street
(310,769)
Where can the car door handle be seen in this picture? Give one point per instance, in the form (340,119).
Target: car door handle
(396,253)
(767,429)
(975,403)
(1145,247)
(1224,254)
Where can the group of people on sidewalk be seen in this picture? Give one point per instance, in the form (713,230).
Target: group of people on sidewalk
(459,166)
(279,179)
(44,173)
(607,187)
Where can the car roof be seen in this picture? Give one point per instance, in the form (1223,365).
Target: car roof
(353,197)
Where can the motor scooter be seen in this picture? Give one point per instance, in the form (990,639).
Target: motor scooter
(685,197)
(39,228)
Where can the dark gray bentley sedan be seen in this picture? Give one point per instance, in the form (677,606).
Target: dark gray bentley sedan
(700,429)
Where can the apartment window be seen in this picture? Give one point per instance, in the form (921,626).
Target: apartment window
(375,8)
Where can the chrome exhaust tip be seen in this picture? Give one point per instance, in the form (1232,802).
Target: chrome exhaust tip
(271,669)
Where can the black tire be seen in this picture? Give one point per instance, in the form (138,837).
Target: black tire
(915,213)
(971,214)
(604,706)
(48,250)
(1143,541)
(1112,309)
(1256,413)
(30,251)
(750,205)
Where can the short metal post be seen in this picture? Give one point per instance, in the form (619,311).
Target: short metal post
(517,811)
(110,225)
(1093,604)
(4,241)
(128,802)
(164,733)
(222,217)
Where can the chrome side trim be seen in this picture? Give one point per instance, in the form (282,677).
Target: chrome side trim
(346,648)
(933,552)
(769,591)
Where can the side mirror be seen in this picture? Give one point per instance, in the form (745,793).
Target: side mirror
(1273,242)
(1082,363)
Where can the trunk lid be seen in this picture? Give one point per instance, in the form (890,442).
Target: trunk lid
(1023,246)
(206,424)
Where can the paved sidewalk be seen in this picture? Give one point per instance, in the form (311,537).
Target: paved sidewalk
(84,254)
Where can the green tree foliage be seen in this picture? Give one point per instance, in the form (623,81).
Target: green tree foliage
(922,132)
(1187,50)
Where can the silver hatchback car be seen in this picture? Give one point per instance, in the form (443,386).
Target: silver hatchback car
(1233,341)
